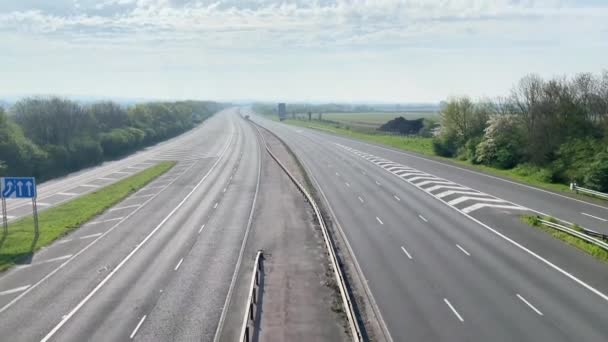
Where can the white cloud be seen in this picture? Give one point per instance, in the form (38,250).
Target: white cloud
(427,47)
(299,23)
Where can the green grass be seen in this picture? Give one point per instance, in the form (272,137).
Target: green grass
(20,242)
(589,248)
(417,144)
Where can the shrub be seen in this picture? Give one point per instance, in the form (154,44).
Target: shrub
(596,174)
(445,146)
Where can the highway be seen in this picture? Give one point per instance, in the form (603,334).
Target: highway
(155,267)
(442,248)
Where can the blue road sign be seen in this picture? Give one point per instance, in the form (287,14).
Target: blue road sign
(18,187)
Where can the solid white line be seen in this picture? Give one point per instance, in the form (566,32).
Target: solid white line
(200,230)
(215,205)
(410,173)
(348,185)
(10,217)
(595,217)
(179,264)
(108,220)
(125,207)
(455,187)
(107,179)
(90,186)
(434,182)
(141,196)
(397,198)
(469,198)
(453,310)
(130,255)
(406,253)
(153,187)
(452,192)
(141,321)
(46,261)
(44,204)
(463,250)
(361,199)
(379,220)
(530,305)
(123,172)
(67,194)
(484,205)
(422,218)
(15,290)
(89,236)
(427,177)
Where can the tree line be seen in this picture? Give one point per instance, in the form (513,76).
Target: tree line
(555,130)
(50,137)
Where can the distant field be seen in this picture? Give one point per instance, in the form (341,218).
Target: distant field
(376,119)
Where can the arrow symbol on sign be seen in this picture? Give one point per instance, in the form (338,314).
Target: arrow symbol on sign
(9,189)
(28,184)
(19,186)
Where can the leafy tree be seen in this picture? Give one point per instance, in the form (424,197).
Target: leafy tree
(109,115)
(463,119)
(596,175)
(501,143)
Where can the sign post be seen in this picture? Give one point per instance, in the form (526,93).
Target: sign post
(4,217)
(18,188)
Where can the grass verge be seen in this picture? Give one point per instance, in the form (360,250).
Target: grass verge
(416,144)
(20,243)
(425,146)
(589,248)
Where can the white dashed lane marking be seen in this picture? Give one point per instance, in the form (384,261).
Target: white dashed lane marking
(530,305)
(463,250)
(406,252)
(453,310)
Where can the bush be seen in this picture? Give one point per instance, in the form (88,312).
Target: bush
(596,174)
(573,158)
(445,146)
(537,173)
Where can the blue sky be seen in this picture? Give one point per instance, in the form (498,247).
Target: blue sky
(352,51)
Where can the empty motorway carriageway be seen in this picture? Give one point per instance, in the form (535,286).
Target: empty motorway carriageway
(263,231)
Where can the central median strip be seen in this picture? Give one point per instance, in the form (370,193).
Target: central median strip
(346,301)
(20,243)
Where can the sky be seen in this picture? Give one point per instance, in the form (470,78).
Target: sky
(323,50)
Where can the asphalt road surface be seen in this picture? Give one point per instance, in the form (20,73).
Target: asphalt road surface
(443,250)
(154,267)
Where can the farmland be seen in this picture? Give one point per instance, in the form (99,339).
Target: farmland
(374,119)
